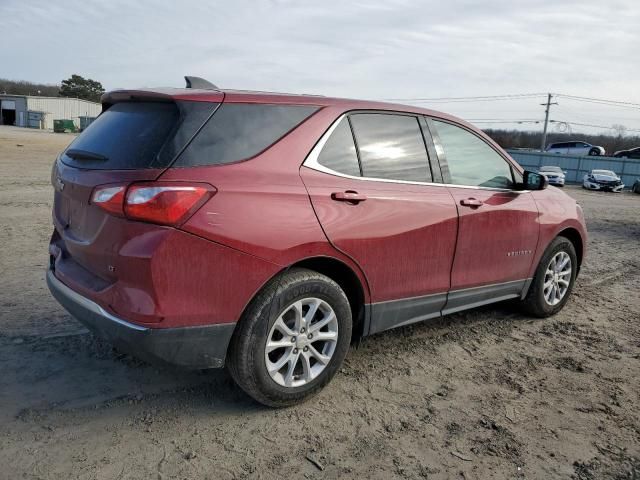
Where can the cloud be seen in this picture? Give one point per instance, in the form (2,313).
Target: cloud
(370,49)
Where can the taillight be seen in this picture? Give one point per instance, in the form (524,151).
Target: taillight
(110,198)
(163,203)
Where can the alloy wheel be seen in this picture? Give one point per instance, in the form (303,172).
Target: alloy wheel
(557,278)
(301,342)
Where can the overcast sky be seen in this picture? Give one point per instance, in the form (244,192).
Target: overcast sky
(363,49)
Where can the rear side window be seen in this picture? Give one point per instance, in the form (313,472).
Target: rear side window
(238,131)
(391,147)
(471,160)
(339,152)
(126,136)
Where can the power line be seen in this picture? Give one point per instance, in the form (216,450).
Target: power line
(594,126)
(600,101)
(515,96)
(483,98)
(517,120)
(495,120)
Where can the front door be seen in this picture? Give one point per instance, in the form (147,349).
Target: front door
(498,226)
(374,206)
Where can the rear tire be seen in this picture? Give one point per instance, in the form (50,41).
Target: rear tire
(541,301)
(308,361)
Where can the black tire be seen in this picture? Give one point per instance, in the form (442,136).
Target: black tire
(534,303)
(594,152)
(246,357)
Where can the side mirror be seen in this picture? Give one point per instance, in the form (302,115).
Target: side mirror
(534,181)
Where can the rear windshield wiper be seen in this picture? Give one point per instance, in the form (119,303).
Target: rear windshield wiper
(84,155)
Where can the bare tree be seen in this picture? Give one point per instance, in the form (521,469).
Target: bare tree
(620,129)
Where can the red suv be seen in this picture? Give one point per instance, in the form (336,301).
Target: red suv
(265,231)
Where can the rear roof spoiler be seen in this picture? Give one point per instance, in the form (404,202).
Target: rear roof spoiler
(200,83)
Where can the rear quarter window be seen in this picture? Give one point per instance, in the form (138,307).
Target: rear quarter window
(238,131)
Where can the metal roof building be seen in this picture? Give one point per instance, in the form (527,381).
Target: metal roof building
(40,112)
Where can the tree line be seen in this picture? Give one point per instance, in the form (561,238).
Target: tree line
(75,86)
(528,139)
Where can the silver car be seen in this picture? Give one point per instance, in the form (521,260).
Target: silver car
(575,148)
(555,175)
(602,180)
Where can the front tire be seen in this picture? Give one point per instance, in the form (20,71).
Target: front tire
(554,279)
(594,152)
(292,339)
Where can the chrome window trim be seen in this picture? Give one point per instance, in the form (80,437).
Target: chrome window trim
(312,162)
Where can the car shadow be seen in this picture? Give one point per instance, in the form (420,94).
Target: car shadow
(80,370)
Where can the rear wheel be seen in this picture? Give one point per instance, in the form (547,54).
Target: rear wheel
(292,339)
(554,279)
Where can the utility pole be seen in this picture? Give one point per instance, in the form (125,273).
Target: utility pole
(546,120)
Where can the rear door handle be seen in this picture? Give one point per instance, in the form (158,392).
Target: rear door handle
(349,196)
(471,202)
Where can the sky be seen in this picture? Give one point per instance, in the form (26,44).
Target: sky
(392,49)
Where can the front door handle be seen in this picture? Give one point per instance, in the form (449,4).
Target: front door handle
(349,196)
(471,202)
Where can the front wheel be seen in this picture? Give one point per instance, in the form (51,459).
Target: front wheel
(292,339)
(594,152)
(554,279)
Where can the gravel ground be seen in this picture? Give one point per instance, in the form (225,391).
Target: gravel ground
(484,394)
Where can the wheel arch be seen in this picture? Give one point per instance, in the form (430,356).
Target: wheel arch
(349,281)
(575,238)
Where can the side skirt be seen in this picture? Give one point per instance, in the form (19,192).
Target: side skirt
(396,313)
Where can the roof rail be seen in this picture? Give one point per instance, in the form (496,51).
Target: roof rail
(201,83)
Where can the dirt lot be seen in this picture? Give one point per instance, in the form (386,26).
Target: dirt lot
(484,394)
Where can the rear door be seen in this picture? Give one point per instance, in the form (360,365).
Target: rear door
(498,225)
(581,148)
(375,205)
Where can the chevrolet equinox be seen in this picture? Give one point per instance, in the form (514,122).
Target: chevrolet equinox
(206,227)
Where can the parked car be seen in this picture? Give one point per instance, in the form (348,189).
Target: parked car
(575,148)
(602,180)
(636,186)
(555,175)
(631,153)
(267,231)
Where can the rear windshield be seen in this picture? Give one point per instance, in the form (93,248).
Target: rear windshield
(239,131)
(126,136)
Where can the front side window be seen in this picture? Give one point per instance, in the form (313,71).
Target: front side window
(339,152)
(391,147)
(471,160)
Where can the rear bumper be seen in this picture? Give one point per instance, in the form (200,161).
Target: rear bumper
(189,347)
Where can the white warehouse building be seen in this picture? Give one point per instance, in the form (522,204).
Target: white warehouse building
(40,112)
